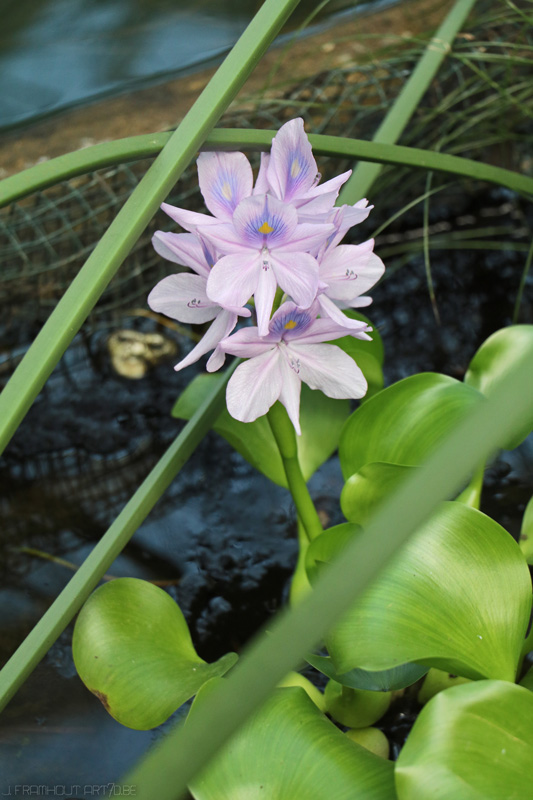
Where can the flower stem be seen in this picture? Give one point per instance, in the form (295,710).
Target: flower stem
(285,437)
(471,495)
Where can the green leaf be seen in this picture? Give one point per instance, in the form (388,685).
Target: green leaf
(405,422)
(132,649)
(368,355)
(526,533)
(386,680)
(473,742)
(355,708)
(372,739)
(364,492)
(290,751)
(437,681)
(441,602)
(324,548)
(527,680)
(492,361)
(321,420)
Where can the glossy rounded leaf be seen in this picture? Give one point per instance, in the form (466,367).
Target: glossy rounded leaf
(527,680)
(321,420)
(405,422)
(355,708)
(364,491)
(290,751)
(493,360)
(371,739)
(324,548)
(471,742)
(457,597)
(437,681)
(132,649)
(526,533)
(367,355)
(297,679)
(385,681)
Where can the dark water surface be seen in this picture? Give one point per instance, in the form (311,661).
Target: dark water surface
(59,53)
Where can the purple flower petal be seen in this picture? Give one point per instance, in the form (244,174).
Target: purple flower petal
(292,170)
(326,330)
(350,270)
(183,297)
(328,368)
(333,185)
(316,209)
(225,179)
(345,217)
(225,239)
(297,274)
(254,387)
(261,183)
(233,279)
(291,387)
(189,220)
(246,343)
(264,294)
(223,324)
(330,310)
(320,199)
(290,321)
(307,238)
(361,302)
(183,248)
(262,221)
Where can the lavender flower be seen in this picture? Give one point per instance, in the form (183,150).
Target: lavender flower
(280,236)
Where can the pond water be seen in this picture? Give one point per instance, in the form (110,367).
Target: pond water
(59,53)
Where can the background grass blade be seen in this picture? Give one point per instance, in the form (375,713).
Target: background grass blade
(165,772)
(408,100)
(114,246)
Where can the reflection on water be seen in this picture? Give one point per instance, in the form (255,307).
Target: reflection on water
(56,53)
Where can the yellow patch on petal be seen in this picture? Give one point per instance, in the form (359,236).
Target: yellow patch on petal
(290,325)
(226,190)
(265,228)
(295,168)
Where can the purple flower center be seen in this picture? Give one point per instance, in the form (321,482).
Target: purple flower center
(291,324)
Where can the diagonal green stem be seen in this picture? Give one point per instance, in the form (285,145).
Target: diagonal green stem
(285,437)
(73,308)
(68,603)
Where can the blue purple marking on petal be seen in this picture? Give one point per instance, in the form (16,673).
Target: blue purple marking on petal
(292,323)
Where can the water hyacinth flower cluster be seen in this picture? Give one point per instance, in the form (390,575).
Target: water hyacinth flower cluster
(274,248)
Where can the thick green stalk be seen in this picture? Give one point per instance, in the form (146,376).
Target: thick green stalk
(73,308)
(135,147)
(471,494)
(68,603)
(285,437)
(408,100)
(166,771)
